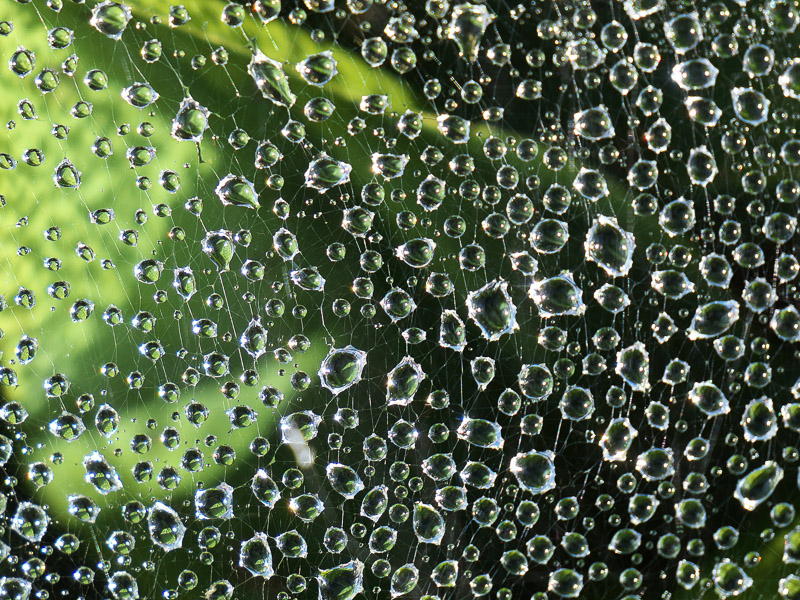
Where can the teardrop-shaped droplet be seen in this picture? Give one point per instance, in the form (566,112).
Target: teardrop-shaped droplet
(344,480)
(633,365)
(375,503)
(218,246)
(254,339)
(165,527)
(451,331)
(101,474)
(265,489)
(285,244)
(292,544)
(66,175)
(235,190)
(758,485)
(191,121)
(429,526)
(404,580)
(255,556)
(468,23)
(403,382)
(617,439)
(184,282)
(759,420)
(481,433)
(270,79)
(445,574)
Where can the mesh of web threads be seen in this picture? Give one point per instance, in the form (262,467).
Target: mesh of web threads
(409,290)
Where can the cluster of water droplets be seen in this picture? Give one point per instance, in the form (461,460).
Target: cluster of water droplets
(435,300)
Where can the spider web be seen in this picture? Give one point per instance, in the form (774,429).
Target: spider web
(564,221)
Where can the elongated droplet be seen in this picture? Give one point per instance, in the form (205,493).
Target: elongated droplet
(270,79)
(758,485)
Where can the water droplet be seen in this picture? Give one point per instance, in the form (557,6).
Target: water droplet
(429,526)
(758,485)
(342,582)
(534,471)
(66,175)
(318,69)
(324,173)
(165,527)
(342,368)
(30,521)
(481,433)
(713,319)
(492,310)
(110,18)
(610,246)
(191,121)
(404,580)
(270,79)
(141,95)
(235,190)
(403,382)
(101,474)
(557,296)
(468,23)
(218,246)
(344,480)
(256,556)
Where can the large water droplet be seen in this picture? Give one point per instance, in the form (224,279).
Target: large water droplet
(30,521)
(270,79)
(342,368)
(713,319)
(235,190)
(256,556)
(191,121)
(492,309)
(557,296)
(110,18)
(342,582)
(610,246)
(165,527)
(468,23)
(758,485)
(325,172)
(403,382)
(534,471)
(344,480)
